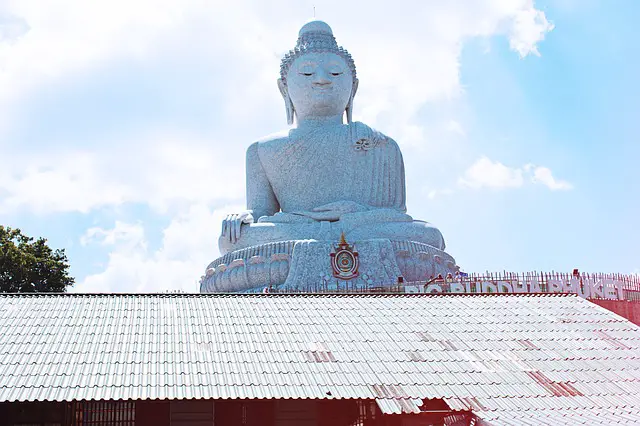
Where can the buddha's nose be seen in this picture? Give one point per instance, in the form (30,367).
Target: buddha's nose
(322,78)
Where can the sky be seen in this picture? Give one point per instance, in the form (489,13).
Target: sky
(123,125)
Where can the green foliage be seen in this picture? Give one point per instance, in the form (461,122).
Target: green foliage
(29,266)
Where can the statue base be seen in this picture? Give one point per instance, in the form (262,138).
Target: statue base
(306,266)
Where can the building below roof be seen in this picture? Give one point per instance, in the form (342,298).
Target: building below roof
(493,359)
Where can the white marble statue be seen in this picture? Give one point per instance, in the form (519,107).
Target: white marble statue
(324,169)
(324,177)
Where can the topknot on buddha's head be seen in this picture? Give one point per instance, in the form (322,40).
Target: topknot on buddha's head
(315,36)
(315,27)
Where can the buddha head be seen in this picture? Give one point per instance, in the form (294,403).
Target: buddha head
(317,78)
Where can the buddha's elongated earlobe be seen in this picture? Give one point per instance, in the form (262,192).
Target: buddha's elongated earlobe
(290,111)
(349,108)
(287,101)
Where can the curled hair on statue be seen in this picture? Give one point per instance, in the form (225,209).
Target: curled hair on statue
(315,42)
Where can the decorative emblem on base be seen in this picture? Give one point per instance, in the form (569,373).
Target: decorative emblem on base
(344,260)
(297,265)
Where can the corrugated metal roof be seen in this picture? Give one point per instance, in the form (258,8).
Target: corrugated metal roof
(511,359)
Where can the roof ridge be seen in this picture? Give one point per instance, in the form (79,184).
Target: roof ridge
(302,295)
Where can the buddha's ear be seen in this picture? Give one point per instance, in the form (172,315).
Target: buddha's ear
(349,108)
(287,101)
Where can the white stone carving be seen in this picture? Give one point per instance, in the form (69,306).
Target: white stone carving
(322,179)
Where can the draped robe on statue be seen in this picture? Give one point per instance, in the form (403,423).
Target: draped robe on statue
(343,163)
(348,177)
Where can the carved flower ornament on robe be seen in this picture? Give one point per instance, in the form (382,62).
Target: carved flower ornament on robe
(366,142)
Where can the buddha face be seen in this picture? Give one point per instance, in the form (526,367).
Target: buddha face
(319,85)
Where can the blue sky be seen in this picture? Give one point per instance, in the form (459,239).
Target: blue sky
(123,126)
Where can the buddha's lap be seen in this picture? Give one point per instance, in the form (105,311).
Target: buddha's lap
(262,233)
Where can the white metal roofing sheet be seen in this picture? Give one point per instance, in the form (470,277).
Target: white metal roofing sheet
(512,359)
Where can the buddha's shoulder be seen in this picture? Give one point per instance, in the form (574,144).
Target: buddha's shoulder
(273,140)
(269,144)
(366,132)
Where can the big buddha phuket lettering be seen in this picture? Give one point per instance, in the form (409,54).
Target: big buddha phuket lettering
(605,288)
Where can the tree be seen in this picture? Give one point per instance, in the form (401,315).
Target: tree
(29,266)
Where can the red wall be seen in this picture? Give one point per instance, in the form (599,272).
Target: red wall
(156,413)
(625,308)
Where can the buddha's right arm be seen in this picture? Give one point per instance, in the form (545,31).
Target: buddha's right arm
(261,200)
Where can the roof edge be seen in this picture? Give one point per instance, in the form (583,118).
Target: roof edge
(301,295)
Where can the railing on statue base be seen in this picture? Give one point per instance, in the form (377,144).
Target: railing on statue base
(587,285)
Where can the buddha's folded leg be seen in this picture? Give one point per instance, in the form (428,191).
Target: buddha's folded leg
(418,231)
(263,233)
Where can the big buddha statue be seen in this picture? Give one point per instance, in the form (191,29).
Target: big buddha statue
(329,182)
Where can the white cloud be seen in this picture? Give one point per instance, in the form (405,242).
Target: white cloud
(420,62)
(485,173)
(45,43)
(129,235)
(160,171)
(72,183)
(528,28)
(416,60)
(455,127)
(544,176)
(422,55)
(189,243)
(46,40)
